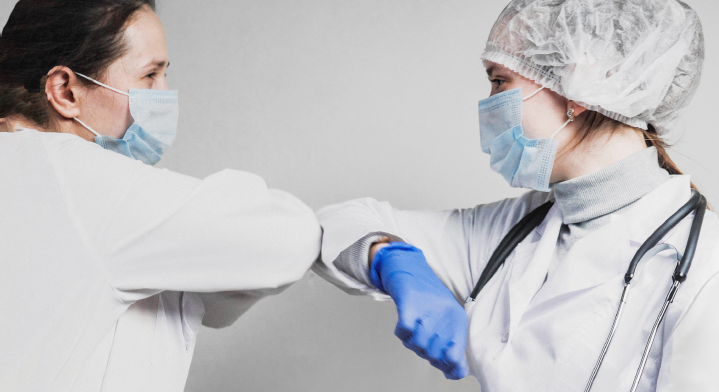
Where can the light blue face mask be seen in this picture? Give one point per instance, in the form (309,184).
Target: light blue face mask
(523,162)
(155,113)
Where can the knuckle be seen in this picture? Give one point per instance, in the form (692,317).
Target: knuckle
(404,328)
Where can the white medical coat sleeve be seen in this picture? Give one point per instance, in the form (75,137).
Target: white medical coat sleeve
(222,309)
(153,230)
(456,243)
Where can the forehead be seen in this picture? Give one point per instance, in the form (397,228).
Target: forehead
(145,39)
(495,68)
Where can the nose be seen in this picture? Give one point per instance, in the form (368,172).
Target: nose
(161,84)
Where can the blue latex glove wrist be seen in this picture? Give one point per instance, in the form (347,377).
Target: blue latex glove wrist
(431,321)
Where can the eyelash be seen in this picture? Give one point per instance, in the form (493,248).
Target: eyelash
(152,75)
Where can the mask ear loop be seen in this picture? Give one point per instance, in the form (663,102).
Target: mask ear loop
(534,93)
(86,126)
(570,114)
(103,85)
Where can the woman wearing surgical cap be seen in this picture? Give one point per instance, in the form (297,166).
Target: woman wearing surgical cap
(108,265)
(560,289)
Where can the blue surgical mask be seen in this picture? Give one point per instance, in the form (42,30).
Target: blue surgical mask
(523,162)
(155,113)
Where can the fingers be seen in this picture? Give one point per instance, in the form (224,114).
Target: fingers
(454,355)
(448,356)
(423,335)
(405,327)
(443,347)
(415,336)
(437,345)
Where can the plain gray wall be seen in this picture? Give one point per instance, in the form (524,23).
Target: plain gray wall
(338,99)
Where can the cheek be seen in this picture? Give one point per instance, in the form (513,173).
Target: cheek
(112,113)
(541,118)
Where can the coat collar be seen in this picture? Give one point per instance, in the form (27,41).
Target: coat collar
(608,190)
(602,256)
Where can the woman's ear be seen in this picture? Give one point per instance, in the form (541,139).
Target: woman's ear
(62,88)
(571,105)
(5,125)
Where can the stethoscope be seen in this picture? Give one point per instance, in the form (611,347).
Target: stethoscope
(525,226)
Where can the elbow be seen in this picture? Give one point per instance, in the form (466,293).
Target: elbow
(298,241)
(304,243)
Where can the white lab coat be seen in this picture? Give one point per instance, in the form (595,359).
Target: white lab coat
(87,233)
(526,334)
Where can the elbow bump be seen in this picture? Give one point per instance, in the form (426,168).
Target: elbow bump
(298,243)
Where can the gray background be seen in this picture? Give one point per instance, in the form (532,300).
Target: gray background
(338,99)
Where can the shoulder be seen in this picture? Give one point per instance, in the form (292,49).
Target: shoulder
(69,149)
(68,152)
(60,150)
(708,247)
(507,212)
(703,277)
(26,140)
(706,260)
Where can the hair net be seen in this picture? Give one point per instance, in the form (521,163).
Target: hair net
(636,61)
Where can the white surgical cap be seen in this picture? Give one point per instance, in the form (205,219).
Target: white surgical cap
(636,61)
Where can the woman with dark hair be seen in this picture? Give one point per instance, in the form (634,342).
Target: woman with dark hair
(582,93)
(109,265)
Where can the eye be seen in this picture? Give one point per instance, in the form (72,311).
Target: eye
(152,75)
(497,82)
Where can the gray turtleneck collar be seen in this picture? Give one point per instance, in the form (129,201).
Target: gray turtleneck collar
(600,193)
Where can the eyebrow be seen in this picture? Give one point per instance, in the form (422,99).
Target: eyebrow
(157,64)
(491,70)
(495,69)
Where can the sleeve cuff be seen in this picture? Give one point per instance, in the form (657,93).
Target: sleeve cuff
(350,270)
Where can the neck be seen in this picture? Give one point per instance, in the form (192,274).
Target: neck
(596,152)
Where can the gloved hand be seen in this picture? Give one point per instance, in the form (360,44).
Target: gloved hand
(431,321)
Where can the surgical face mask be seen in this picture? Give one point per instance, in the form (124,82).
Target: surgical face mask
(155,113)
(523,162)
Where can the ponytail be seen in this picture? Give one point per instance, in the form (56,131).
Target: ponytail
(665,161)
(593,123)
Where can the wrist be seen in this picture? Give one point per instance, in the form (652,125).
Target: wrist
(375,247)
(389,257)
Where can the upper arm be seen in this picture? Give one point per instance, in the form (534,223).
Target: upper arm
(153,229)
(224,308)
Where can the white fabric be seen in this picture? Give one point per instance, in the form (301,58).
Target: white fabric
(638,62)
(153,343)
(86,233)
(526,334)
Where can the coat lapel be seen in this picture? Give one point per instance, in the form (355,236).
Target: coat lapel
(529,263)
(606,253)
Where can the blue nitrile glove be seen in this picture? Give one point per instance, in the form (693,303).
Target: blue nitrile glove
(431,321)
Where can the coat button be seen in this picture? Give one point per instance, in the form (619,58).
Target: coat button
(505,337)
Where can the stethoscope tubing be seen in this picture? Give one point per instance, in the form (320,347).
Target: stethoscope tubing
(615,323)
(510,241)
(697,204)
(693,204)
(653,334)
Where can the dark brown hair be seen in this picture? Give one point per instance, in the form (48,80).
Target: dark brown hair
(83,35)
